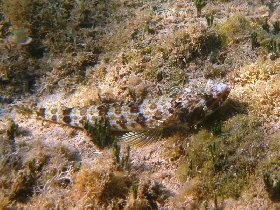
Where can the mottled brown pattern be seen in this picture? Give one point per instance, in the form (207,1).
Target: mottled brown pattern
(141,120)
(66,111)
(83,111)
(93,118)
(117,109)
(125,109)
(173,103)
(152,121)
(134,108)
(130,116)
(171,120)
(83,120)
(53,111)
(90,111)
(151,113)
(171,111)
(153,106)
(115,127)
(67,119)
(54,118)
(158,115)
(103,109)
(133,125)
(112,117)
(122,122)
(191,104)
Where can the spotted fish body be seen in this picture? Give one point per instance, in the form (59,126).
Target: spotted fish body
(188,109)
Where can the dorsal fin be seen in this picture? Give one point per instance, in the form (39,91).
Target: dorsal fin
(139,139)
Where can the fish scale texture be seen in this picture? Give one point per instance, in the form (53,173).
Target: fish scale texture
(148,114)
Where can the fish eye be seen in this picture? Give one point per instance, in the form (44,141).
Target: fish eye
(178,104)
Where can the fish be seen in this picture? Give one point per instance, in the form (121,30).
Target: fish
(144,121)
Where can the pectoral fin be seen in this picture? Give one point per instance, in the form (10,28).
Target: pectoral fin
(139,139)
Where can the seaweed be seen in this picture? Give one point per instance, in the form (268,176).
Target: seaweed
(266,26)
(199,4)
(254,40)
(271,46)
(271,186)
(221,158)
(210,19)
(100,132)
(276,27)
(122,162)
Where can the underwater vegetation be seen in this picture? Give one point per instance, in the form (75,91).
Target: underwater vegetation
(199,4)
(272,186)
(27,171)
(210,19)
(42,175)
(220,162)
(100,133)
(270,171)
(34,32)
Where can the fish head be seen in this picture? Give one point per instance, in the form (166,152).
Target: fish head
(194,106)
(214,96)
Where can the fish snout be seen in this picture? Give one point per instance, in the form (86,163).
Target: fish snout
(215,100)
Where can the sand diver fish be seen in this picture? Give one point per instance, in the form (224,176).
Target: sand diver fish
(147,119)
